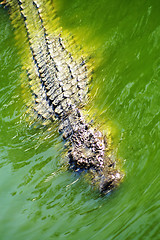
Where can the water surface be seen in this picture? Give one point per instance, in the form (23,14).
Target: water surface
(38,198)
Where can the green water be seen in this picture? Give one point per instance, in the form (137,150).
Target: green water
(38,199)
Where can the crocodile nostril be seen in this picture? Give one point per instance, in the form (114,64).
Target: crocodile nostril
(107,186)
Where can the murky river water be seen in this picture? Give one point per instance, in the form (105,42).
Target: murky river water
(39,199)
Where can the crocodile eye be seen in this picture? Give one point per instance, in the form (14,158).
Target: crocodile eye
(112,164)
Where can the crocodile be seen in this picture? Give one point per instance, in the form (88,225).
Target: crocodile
(59,84)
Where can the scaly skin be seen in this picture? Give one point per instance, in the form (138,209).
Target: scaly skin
(59,85)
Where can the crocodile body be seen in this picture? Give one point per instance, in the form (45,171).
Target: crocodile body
(59,84)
